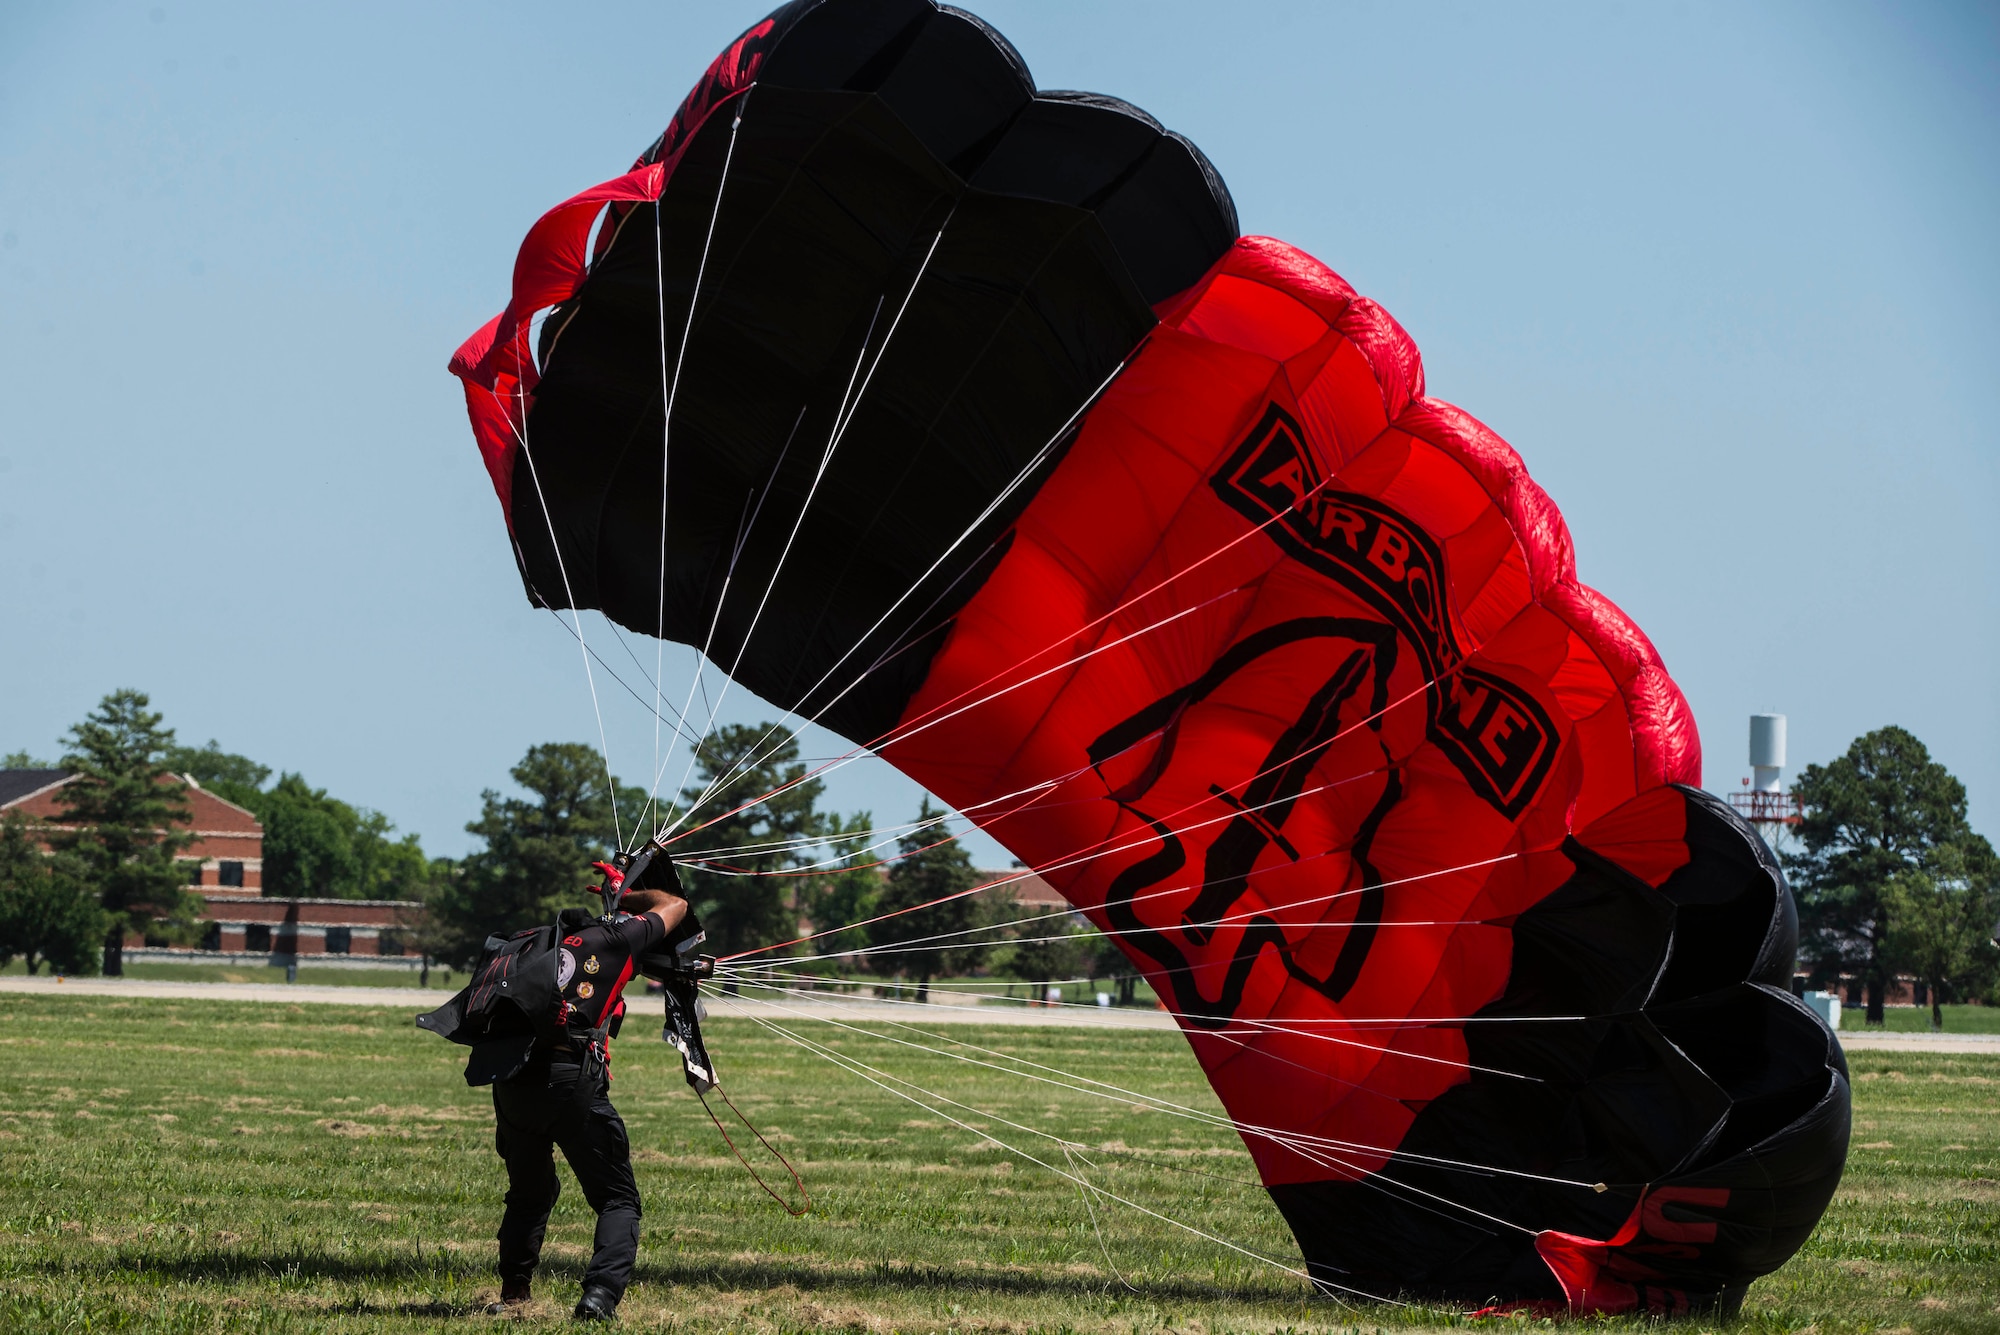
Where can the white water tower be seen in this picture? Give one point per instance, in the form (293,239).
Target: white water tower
(1767,753)
(1764,802)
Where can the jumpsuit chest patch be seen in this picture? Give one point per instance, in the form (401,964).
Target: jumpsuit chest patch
(565,968)
(590,965)
(585,990)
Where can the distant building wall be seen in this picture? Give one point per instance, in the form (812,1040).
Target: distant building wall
(226,862)
(1029,890)
(228,847)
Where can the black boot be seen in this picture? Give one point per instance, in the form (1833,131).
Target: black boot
(513,1293)
(597,1304)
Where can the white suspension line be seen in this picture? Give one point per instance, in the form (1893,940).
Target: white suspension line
(944,985)
(1027,470)
(667,389)
(1226,919)
(736,552)
(1382,1180)
(1119,1094)
(802,842)
(826,459)
(569,596)
(670,392)
(870,1074)
(1020,477)
(686,734)
(1265,1028)
(809,867)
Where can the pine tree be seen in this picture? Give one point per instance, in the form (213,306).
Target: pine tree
(1883,809)
(129,815)
(851,893)
(537,855)
(47,912)
(931,866)
(740,903)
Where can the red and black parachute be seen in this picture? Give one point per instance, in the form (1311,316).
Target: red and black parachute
(1143,542)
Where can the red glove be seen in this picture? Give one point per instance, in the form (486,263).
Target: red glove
(612,876)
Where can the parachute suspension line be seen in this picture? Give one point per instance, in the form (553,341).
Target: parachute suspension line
(1086,1190)
(880,917)
(896,733)
(1236,809)
(1112,932)
(800,843)
(823,868)
(1095,852)
(1380,1179)
(708,641)
(1261,1028)
(842,419)
(755,1176)
(666,433)
(736,555)
(680,727)
(669,392)
(1019,479)
(840,762)
(1118,1094)
(612,673)
(569,596)
(883,1080)
(761,976)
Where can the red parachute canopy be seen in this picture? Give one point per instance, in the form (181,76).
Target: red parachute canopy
(1144,545)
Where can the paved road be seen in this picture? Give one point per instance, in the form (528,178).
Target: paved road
(1856,1040)
(855,1009)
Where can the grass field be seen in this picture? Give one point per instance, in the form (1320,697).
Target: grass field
(1917,1019)
(198,1166)
(309,975)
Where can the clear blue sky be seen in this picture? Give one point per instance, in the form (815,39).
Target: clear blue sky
(1726,275)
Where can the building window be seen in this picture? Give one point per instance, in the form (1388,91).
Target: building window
(388,943)
(211,937)
(257,936)
(194,873)
(230,873)
(339,940)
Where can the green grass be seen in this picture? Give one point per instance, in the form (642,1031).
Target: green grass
(208,1166)
(1917,1019)
(309,975)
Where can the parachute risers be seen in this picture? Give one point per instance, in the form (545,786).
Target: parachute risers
(1145,544)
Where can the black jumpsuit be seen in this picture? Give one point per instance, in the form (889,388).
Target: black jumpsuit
(562,1098)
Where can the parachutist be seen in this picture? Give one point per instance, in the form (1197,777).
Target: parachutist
(539,1015)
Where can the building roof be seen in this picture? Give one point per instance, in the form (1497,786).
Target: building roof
(16,784)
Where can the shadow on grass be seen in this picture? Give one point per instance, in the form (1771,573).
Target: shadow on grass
(212,1266)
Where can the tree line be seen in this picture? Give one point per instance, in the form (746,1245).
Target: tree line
(768,862)
(762,864)
(115,865)
(1890,877)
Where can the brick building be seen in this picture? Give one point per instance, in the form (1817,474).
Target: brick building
(1031,892)
(226,862)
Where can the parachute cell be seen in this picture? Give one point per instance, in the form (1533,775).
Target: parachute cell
(1144,543)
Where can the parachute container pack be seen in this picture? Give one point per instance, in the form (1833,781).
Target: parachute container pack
(1143,542)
